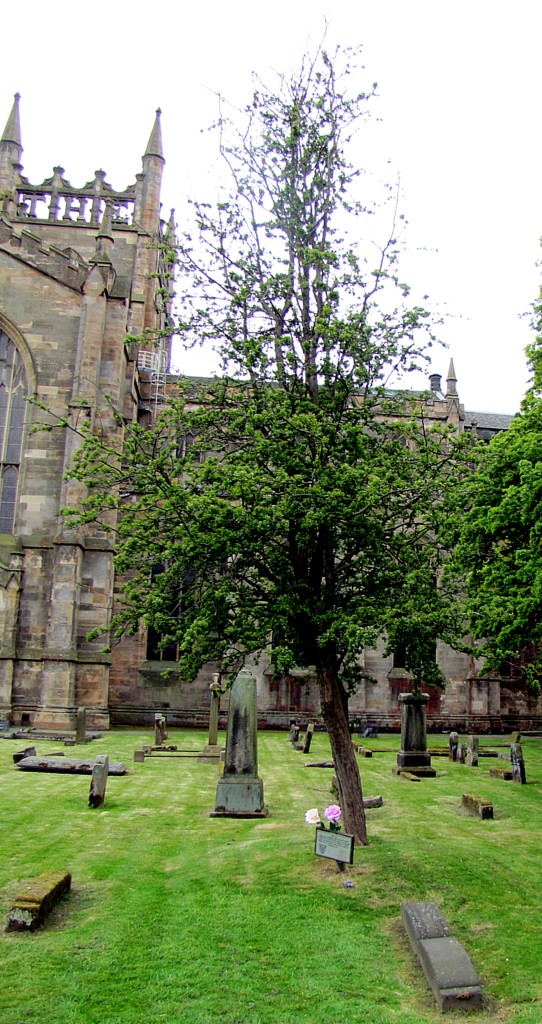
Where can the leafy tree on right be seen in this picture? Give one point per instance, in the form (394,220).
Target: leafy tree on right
(499,556)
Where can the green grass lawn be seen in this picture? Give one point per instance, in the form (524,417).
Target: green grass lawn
(177,917)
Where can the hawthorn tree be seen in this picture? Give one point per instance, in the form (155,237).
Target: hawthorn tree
(299,500)
(499,558)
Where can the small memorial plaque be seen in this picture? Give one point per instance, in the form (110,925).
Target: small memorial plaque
(335,845)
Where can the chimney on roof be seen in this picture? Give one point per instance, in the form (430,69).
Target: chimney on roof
(435,382)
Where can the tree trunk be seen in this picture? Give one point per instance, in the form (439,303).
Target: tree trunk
(344,757)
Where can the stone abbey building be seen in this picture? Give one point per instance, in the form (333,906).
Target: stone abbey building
(81,272)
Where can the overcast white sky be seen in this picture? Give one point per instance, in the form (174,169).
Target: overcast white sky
(460,88)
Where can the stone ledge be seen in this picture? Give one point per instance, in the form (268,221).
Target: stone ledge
(36,900)
(449,971)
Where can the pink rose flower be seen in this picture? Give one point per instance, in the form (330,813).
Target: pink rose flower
(332,813)
(312,817)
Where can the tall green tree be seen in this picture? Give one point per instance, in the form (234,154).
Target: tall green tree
(499,559)
(299,499)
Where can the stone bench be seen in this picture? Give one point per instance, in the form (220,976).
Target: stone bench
(448,969)
(476,805)
(35,902)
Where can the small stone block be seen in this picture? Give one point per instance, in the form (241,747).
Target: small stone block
(139,756)
(69,743)
(497,772)
(404,774)
(35,902)
(373,801)
(476,805)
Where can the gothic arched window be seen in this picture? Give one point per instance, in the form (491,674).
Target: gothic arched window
(13,391)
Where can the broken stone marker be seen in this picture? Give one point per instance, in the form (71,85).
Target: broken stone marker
(448,969)
(239,793)
(294,734)
(453,744)
(99,781)
(517,763)
(27,752)
(36,900)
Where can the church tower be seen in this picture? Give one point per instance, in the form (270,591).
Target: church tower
(80,277)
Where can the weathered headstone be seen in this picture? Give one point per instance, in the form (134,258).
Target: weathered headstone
(81,726)
(139,756)
(453,742)
(413,756)
(213,710)
(239,793)
(462,752)
(472,752)
(159,729)
(308,738)
(98,782)
(294,734)
(517,763)
(515,737)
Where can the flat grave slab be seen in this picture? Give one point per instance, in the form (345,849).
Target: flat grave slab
(446,965)
(67,766)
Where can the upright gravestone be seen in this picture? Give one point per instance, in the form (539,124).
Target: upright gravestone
(213,711)
(81,726)
(308,738)
(211,752)
(294,734)
(462,753)
(413,756)
(239,793)
(517,762)
(98,782)
(472,752)
(159,730)
(453,742)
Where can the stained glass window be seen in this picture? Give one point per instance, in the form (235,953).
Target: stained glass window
(13,390)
